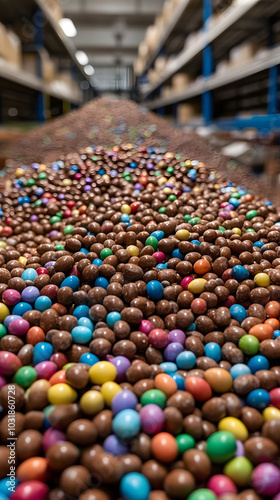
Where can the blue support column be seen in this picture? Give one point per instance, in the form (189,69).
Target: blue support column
(272,104)
(39,42)
(207,67)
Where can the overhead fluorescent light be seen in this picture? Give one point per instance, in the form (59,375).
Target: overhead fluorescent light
(68,27)
(81,57)
(89,70)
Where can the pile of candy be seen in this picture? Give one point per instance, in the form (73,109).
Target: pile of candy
(140,337)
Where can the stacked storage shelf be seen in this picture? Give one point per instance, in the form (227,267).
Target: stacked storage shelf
(227,70)
(33,81)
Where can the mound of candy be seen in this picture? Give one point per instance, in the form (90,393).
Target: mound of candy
(140,337)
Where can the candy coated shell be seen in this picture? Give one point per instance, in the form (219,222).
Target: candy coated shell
(219,379)
(58,378)
(202,494)
(101,372)
(197,286)
(262,331)
(59,394)
(199,388)
(92,402)
(221,485)
(34,468)
(31,490)
(9,363)
(221,446)
(4,312)
(166,384)
(271,413)
(239,469)
(164,447)
(234,425)
(109,390)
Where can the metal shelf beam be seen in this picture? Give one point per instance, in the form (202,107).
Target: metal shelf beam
(227,20)
(256,65)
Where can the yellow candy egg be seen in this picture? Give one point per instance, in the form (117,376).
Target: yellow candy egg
(92,402)
(125,209)
(66,182)
(262,279)
(162,180)
(219,379)
(182,234)
(109,390)
(4,312)
(188,163)
(235,426)
(22,260)
(106,177)
(88,150)
(102,372)
(197,285)
(133,250)
(3,244)
(19,172)
(75,213)
(62,394)
(236,230)
(271,413)
(42,167)
(167,190)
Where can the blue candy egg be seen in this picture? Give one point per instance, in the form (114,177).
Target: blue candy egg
(42,303)
(97,262)
(135,486)
(81,335)
(81,311)
(258,362)
(127,424)
(42,352)
(154,290)
(259,399)
(112,318)
(186,360)
(239,273)
(179,381)
(102,282)
(86,322)
(238,312)
(168,367)
(213,351)
(239,369)
(21,308)
(71,281)
(89,359)
(29,274)
(176,254)
(158,235)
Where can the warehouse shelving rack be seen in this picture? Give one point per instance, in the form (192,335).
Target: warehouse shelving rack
(36,18)
(237,20)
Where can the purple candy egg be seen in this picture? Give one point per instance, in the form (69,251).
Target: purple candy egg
(266,479)
(113,445)
(122,364)
(172,350)
(152,419)
(45,369)
(124,400)
(51,437)
(177,336)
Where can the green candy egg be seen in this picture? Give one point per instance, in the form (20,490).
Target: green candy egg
(221,446)
(25,376)
(153,396)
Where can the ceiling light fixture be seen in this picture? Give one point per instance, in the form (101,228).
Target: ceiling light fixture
(81,57)
(68,27)
(89,70)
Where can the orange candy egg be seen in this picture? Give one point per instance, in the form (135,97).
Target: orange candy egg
(34,468)
(262,331)
(58,378)
(202,266)
(199,388)
(219,379)
(166,384)
(35,335)
(272,322)
(164,447)
(272,309)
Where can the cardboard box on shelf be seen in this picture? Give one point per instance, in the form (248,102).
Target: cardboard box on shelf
(10,46)
(160,64)
(185,112)
(54,8)
(31,60)
(166,91)
(180,81)
(242,53)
